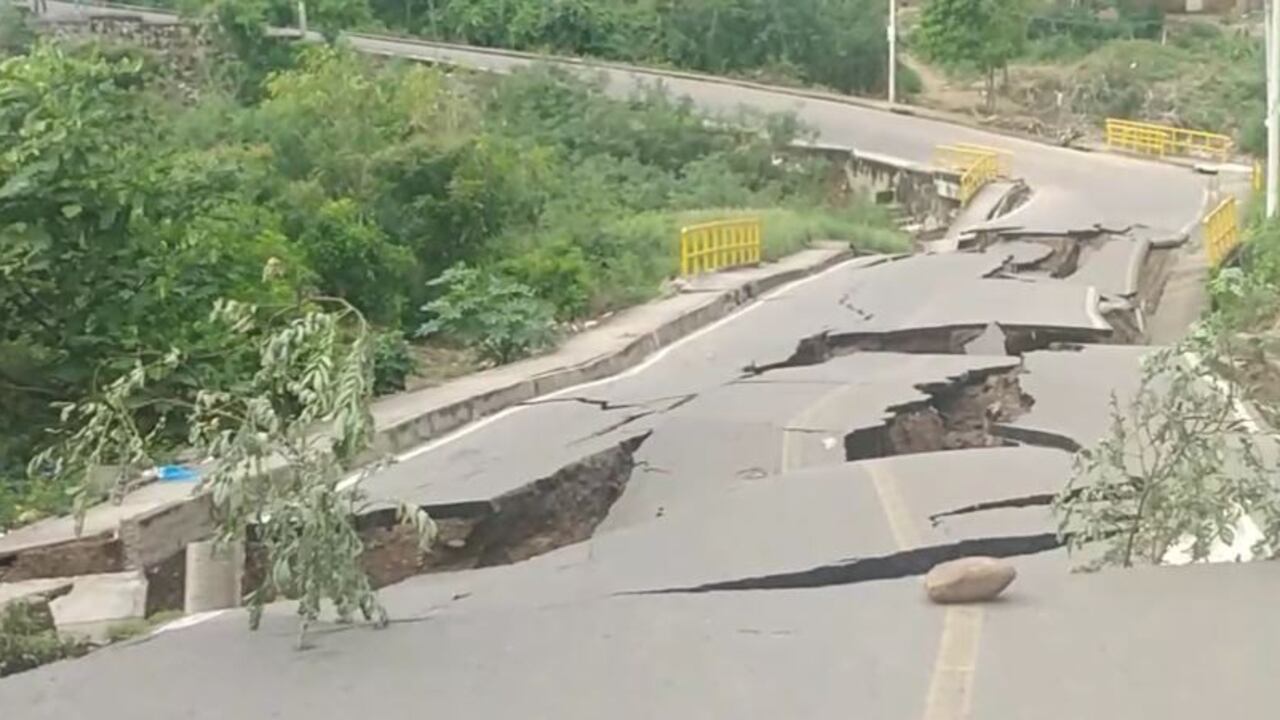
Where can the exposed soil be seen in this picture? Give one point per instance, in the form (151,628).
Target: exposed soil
(958,414)
(102,553)
(549,513)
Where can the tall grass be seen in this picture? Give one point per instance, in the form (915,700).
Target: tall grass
(651,242)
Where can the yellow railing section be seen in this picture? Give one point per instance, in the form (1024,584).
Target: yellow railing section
(1221,231)
(1164,140)
(1004,158)
(720,244)
(976,165)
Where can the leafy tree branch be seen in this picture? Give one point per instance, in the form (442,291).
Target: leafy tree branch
(277,450)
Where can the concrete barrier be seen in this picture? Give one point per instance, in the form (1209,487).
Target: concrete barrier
(213,577)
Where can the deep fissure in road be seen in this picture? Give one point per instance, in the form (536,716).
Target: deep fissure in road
(549,513)
(943,340)
(1060,261)
(907,563)
(960,413)
(1024,501)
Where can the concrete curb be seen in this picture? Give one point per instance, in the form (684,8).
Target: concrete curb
(158,532)
(437,421)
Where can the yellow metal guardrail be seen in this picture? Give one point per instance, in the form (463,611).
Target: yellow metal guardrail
(720,244)
(1165,140)
(1004,158)
(1221,231)
(976,164)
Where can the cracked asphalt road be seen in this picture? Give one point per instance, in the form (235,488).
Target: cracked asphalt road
(743,485)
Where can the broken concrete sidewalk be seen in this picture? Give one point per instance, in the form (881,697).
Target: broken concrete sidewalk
(86,606)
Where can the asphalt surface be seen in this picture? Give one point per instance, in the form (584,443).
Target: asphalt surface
(748,570)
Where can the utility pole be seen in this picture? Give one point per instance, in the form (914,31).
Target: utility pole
(893,51)
(1272,35)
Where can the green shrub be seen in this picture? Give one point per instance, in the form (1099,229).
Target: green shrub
(393,362)
(557,272)
(835,44)
(127,630)
(16,33)
(28,640)
(1247,297)
(127,213)
(500,318)
(353,259)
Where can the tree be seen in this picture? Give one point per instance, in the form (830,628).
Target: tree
(985,34)
(1178,470)
(112,242)
(279,444)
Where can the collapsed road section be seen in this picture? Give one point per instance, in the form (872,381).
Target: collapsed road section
(747,488)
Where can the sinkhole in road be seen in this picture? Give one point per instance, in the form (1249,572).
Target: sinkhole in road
(959,413)
(548,513)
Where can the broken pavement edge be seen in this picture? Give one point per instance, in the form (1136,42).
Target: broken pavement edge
(410,419)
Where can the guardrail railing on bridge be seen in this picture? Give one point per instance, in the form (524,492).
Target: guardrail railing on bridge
(1221,231)
(1162,140)
(721,244)
(977,165)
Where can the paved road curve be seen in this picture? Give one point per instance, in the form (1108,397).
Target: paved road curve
(749,570)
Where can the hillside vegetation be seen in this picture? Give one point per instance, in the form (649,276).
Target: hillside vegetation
(479,215)
(839,44)
(1080,63)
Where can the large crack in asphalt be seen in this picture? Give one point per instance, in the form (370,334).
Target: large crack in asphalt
(548,513)
(675,403)
(959,413)
(906,563)
(1034,500)
(960,339)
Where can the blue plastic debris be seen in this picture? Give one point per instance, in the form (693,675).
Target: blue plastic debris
(176,473)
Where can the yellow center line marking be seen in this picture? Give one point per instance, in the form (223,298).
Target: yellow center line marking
(951,686)
(805,420)
(893,505)
(950,692)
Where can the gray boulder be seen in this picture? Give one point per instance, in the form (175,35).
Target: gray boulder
(968,580)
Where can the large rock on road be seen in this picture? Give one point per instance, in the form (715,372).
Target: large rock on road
(968,580)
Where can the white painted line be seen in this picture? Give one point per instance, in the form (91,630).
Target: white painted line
(648,362)
(188,621)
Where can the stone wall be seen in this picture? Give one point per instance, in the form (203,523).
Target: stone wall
(180,48)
